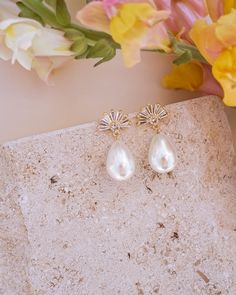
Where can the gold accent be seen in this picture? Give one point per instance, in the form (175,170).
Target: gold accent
(114,121)
(151,115)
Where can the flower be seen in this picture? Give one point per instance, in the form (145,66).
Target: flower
(218,8)
(216,41)
(203,35)
(133,25)
(229,5)
(224,72)
(180,77)
(213,39)
(8,9)
(45,66)
(215,8)
(184,13)
(192,76)
(25,40)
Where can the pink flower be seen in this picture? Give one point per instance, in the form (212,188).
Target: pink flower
(110,7)
(134,25)
(184,13)
(210,85)
(215,8)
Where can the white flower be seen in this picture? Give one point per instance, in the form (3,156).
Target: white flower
(8,9)
(25,40)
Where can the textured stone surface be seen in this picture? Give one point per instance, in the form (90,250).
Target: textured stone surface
(67,228)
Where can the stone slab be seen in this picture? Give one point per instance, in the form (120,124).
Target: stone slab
(67,228)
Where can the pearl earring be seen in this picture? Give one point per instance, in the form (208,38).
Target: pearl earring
(162,156)
(120,162)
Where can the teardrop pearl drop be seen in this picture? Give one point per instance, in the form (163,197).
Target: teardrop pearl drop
(162,156)
(120,162)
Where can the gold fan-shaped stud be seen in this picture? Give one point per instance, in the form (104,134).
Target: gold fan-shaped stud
(151,115)
(114,121)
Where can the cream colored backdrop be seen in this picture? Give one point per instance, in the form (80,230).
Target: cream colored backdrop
(80,93)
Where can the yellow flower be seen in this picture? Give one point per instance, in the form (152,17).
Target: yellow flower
(217,43)
(132,21)
(229,5)
(204,37)
(213,39)
(224,71)
(130,28)
(185,76)
(134,26)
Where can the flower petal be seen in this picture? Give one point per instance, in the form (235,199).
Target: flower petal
(45,66)
(226,29)
(229,5)
(206,41)
(215,8)
(20,36)
(157,38)
(8,9)
(23,40)
(198,6)
(24,58)
(5,53)
(139,26)
(193,76)
(94,16)
(210,85)
(185,16)
(224,72)
(131,53)
(185,76)
(12,21)
(51,43)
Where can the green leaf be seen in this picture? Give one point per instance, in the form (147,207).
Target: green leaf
(185,52)
(183,58)
(51,3)
(80,46)
(28,13)
(45,10)
(94,35)
(62,13)
(102,49)
(73,34)
(181,48)
(83,55)
(45,13)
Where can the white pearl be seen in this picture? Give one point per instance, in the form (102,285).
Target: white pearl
(120,161)
(162,156)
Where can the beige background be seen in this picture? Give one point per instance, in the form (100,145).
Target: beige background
(81,93)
